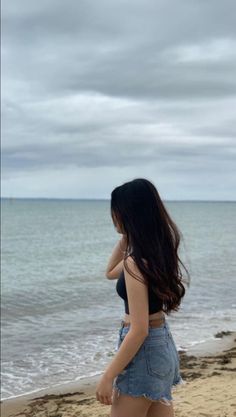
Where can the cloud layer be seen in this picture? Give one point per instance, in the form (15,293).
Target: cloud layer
(102,92)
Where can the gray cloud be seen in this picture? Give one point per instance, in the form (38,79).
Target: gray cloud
(118,84)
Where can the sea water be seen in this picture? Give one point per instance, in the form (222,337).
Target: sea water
(61,315)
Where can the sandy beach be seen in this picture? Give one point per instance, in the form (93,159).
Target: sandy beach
(209,372)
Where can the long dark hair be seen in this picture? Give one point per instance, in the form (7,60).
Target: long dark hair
(153,236)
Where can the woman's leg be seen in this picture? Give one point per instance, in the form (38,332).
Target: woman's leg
(127,406)
(158,409)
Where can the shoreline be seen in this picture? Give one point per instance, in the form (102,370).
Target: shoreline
(213,361)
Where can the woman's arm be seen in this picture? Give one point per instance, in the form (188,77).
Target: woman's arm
(127,350)
(116,258)
(137,293)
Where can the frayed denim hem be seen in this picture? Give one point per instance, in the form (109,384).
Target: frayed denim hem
(161,398)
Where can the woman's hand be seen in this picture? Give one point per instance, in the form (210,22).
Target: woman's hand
(117,255)
(104,390)
(123,242)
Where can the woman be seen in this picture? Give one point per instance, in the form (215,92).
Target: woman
(138,381)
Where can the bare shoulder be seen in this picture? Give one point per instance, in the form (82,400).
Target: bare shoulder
(132,265)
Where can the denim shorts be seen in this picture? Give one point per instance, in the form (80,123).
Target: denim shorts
(154,370)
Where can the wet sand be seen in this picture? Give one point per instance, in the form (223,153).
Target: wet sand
(208,369)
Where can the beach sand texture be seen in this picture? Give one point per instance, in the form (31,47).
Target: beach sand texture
(209,389)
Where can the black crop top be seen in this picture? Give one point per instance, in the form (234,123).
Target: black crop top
(155,304)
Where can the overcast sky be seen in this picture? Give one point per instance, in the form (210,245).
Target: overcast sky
(96,93)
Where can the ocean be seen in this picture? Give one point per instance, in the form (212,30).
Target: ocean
(61,315)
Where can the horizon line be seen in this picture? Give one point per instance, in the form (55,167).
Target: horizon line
(107,199)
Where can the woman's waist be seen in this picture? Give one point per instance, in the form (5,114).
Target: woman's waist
(158,315)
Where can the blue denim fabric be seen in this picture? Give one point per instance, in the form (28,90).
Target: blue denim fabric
(154,370)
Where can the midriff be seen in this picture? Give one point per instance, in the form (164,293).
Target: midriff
(151,316)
